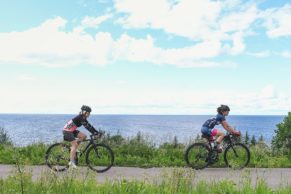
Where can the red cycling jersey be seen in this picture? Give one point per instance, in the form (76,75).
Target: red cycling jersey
(76,122)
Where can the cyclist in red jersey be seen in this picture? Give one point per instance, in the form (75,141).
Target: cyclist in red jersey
(73,135)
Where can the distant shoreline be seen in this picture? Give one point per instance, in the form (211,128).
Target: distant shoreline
(234,115)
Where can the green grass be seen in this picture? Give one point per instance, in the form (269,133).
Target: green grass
(178,181)
(139,152)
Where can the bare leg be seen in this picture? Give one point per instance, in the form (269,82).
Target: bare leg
(81,137)
(220,135)
(73,150)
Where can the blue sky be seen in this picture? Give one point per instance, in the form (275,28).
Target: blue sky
(146,56)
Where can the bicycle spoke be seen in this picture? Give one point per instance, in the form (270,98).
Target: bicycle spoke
(97,153)
(234,151)
(58,156)
(99,158)
(237,156)
(196,156)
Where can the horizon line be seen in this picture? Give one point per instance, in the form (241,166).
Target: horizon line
(143,114)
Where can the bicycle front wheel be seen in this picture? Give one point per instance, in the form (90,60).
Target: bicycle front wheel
(99,157)
(57,157)
(237,156)
(197,156)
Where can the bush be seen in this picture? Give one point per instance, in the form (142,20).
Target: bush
(281,143)
(4,137)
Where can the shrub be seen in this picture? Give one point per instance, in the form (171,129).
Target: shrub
(281,143)
(4,137)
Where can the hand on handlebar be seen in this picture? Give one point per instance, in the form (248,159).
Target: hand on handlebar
(99,134)
(236,133)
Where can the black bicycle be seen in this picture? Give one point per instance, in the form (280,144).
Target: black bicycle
(99,157)
(201,155)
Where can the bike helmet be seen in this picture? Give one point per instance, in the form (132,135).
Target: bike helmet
(86,108)
(223,108)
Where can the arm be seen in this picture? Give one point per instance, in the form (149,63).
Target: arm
(227,127)
(89,127)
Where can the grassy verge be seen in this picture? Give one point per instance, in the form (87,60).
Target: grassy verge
(179,181)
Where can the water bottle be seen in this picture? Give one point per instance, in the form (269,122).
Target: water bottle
(213,143)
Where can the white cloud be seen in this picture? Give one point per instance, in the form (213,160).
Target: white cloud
(261,54)
(268,100)
(240,20)
(198,20)
(268,92)
(138,11)
(49,45)
(201,20)
(219,28)
(286,54)
(94,22)
(192,19)
(132,49)
(144,50)
(26,77)
(238,45)
(228,22)
(154,100)
(277,21)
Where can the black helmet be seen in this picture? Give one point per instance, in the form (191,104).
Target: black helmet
(223,108)
(86,108)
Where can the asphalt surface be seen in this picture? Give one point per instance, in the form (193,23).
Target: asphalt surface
(274,177)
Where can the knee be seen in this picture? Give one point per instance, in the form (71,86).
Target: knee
(84,137)
(74,144)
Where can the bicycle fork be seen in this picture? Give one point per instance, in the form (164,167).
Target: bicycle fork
(96,151)
(234,151)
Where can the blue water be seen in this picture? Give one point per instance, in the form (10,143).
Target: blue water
(25,129)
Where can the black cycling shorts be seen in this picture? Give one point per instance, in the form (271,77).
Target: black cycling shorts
(70,136)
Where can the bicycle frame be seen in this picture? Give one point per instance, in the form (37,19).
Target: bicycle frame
(230,142)
(94,145)
(91,142)
(227,139)
(212,155)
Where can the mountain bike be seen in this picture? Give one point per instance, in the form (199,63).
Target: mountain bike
(99,157)
(200,155)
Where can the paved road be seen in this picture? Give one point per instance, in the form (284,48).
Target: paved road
(274,177)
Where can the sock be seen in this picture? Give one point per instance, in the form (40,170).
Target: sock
(217,144)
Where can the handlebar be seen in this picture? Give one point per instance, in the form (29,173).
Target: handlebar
(234,134)
(97,135)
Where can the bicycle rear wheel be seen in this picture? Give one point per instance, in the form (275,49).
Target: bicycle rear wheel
(99,157)
(197,156)
(57,157)
(237,156)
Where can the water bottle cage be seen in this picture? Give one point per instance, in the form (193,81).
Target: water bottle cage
(213,157)
(213,144)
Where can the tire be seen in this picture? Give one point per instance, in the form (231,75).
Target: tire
(57,157)
(200,152)
(99,157)
(237,156)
